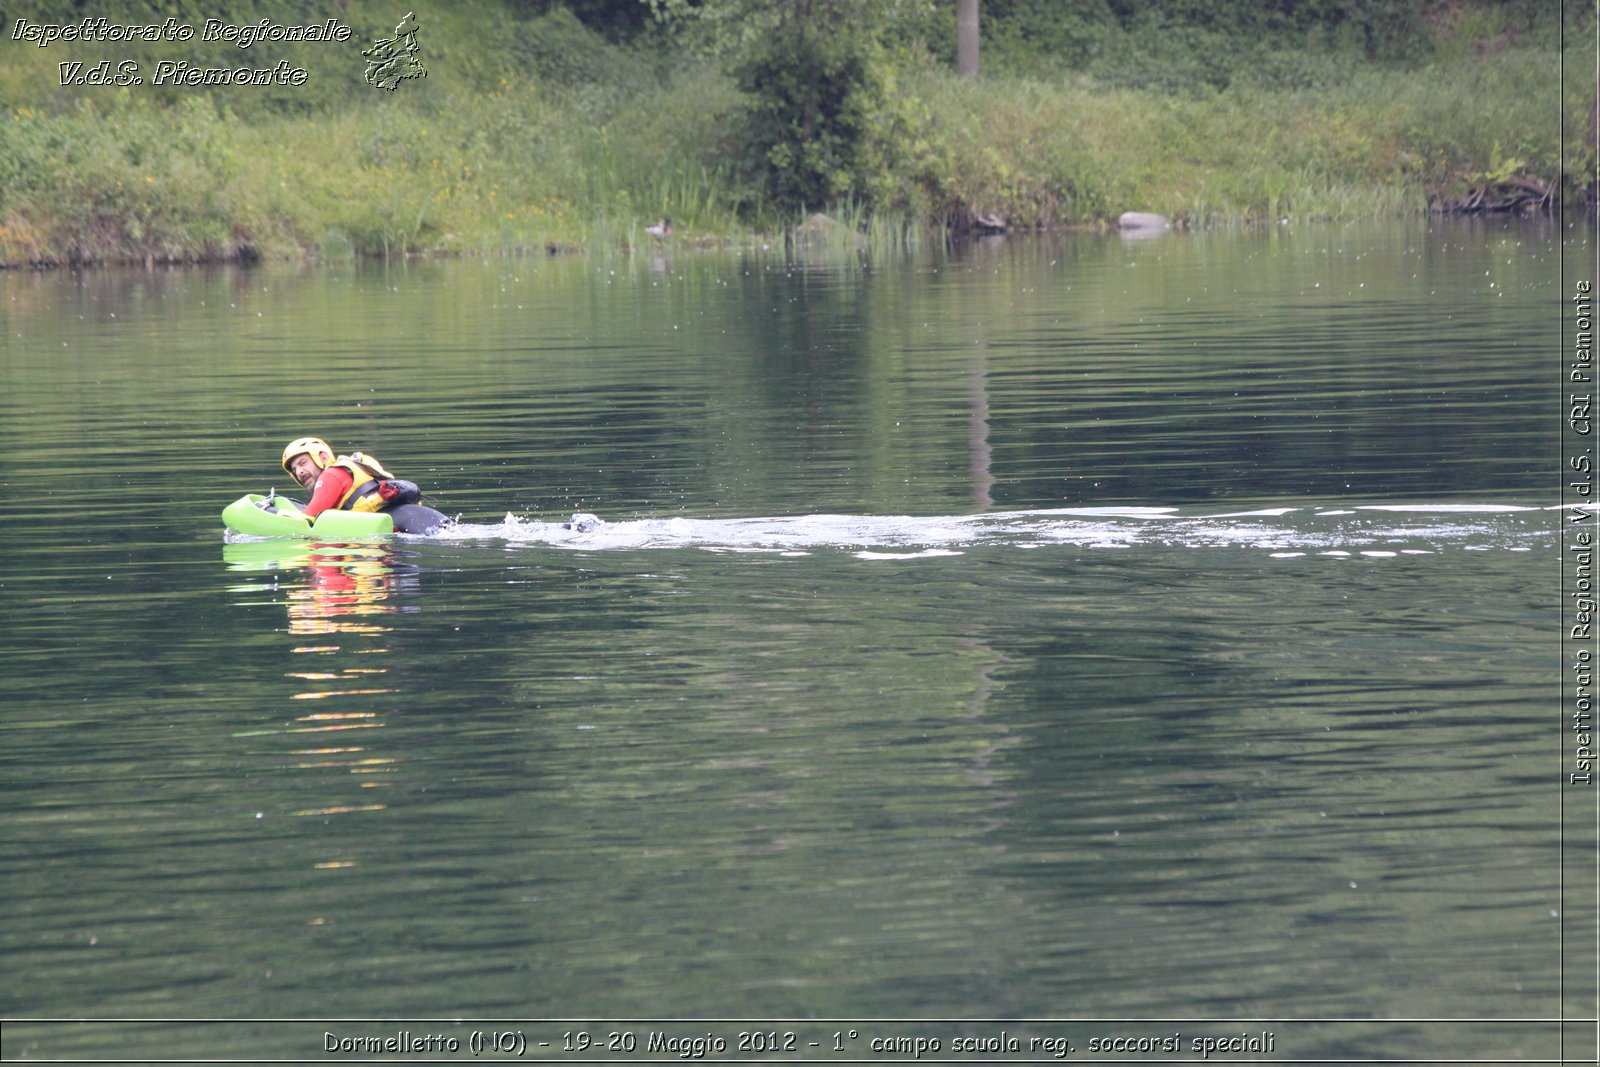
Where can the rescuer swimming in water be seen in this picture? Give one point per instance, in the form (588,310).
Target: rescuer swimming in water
(357,482)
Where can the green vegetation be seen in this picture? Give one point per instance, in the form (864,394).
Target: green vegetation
(540,127)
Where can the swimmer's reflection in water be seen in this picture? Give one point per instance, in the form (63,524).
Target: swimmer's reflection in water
(346,584)
(338,597)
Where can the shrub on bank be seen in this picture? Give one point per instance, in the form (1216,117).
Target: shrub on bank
(131,182)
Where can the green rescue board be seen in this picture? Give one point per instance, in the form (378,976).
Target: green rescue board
(254,514)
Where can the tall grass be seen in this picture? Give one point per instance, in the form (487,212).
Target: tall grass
(522,167)
(1376,143)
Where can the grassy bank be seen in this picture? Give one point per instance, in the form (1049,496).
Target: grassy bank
(559,140)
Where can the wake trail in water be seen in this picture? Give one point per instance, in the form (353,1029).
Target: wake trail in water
(1332,530)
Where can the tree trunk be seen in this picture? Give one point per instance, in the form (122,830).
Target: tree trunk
(967,38)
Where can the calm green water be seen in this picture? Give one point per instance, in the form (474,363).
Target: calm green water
(1061,629)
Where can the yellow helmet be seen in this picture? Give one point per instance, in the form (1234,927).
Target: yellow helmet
(316,446)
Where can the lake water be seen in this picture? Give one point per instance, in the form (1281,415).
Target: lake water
(1077,639)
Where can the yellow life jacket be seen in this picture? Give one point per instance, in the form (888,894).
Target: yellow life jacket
(365,471)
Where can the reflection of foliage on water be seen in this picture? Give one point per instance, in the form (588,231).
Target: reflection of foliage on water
(735,733)
(1072,369)
(664,779)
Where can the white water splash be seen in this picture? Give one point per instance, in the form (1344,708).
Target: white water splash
(1375,531)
